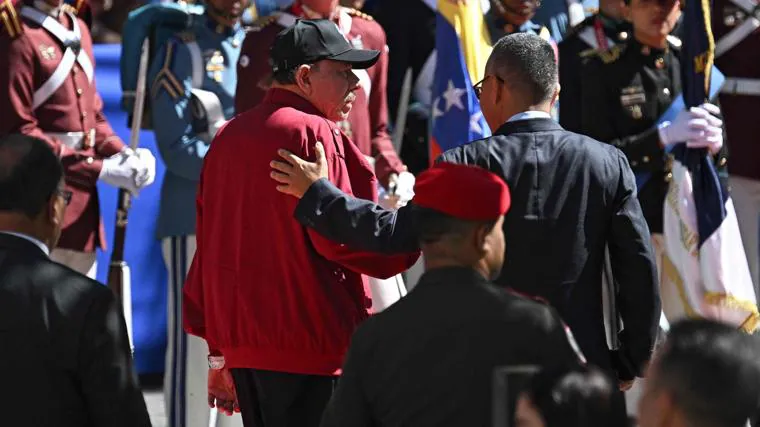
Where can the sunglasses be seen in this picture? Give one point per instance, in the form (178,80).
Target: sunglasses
(478,87)
(65,194)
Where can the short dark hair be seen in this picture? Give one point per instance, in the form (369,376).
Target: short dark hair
(575,396)
(29,174)
(433,225)
(527,64)
(712,370)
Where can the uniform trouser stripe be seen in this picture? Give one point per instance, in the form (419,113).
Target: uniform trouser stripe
(175,398)
(180,331)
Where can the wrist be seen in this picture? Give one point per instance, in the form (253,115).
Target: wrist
(662,132)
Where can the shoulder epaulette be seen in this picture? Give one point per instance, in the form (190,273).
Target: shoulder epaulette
(69,8)
(10,19)
(588,52)
(262,22)
(359,14)
(79,5)
(612,54)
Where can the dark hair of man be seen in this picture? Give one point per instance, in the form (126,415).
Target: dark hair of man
(574,396)
(712,371)
(287,75)
(29,174)
(526,63)
(432,225)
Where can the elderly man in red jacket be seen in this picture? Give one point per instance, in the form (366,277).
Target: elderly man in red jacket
(277,303)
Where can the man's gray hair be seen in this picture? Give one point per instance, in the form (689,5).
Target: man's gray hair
(527,64)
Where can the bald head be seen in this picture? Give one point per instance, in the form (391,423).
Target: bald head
(527,65)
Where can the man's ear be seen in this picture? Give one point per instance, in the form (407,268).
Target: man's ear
(303,78)
(480,237)
(55,210)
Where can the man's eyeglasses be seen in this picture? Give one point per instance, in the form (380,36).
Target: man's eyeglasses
(478,87)
(65,194)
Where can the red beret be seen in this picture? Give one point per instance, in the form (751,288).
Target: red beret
(464,192)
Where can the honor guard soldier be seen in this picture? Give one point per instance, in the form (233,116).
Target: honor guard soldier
(47,90)
(191,82)
(506,17)
(368,121)
(626,90)
(737,55)
(600,31)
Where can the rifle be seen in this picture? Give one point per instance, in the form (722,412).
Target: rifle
(118,271)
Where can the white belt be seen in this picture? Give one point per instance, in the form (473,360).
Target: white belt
(74,140)
(741,86)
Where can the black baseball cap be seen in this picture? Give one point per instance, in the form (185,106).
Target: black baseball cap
(309,41)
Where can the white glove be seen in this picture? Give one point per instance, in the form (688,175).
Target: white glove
(130,170)
(147,173)
(404,187)
(697,127)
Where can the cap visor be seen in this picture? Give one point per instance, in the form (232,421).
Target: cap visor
(358,58)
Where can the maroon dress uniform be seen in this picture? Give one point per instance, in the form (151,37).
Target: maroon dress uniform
(367,125)
(740,103)
(30,56)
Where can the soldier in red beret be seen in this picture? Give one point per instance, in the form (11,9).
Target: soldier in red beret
(455,321)
(47,90)
(368,122)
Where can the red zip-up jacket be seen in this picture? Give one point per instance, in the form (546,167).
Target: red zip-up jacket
(263,290)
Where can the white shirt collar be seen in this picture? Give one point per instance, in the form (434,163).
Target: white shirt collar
(43,247)
(528,115)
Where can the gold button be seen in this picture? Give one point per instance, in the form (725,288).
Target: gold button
(669,177)
(89,160)
(659,63)
(645,159)
(79,91)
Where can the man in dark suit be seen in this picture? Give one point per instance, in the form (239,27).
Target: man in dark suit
(571,196)
(428,359)
(63,337)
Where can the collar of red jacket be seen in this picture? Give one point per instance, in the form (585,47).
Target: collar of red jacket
(291,99)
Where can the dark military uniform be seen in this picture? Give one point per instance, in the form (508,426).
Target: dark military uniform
(498,27)
(594,33)
(625,90)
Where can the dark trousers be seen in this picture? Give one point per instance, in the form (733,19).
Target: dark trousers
(279,399)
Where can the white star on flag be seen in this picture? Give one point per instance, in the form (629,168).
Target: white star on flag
(475,122)
(436,111)
(453,96)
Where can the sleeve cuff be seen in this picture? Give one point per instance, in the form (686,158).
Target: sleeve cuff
(308,207)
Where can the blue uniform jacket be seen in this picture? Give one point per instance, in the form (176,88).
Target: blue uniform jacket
(181,140)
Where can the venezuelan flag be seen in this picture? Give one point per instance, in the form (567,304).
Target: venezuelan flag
(705,273)
(462,49)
